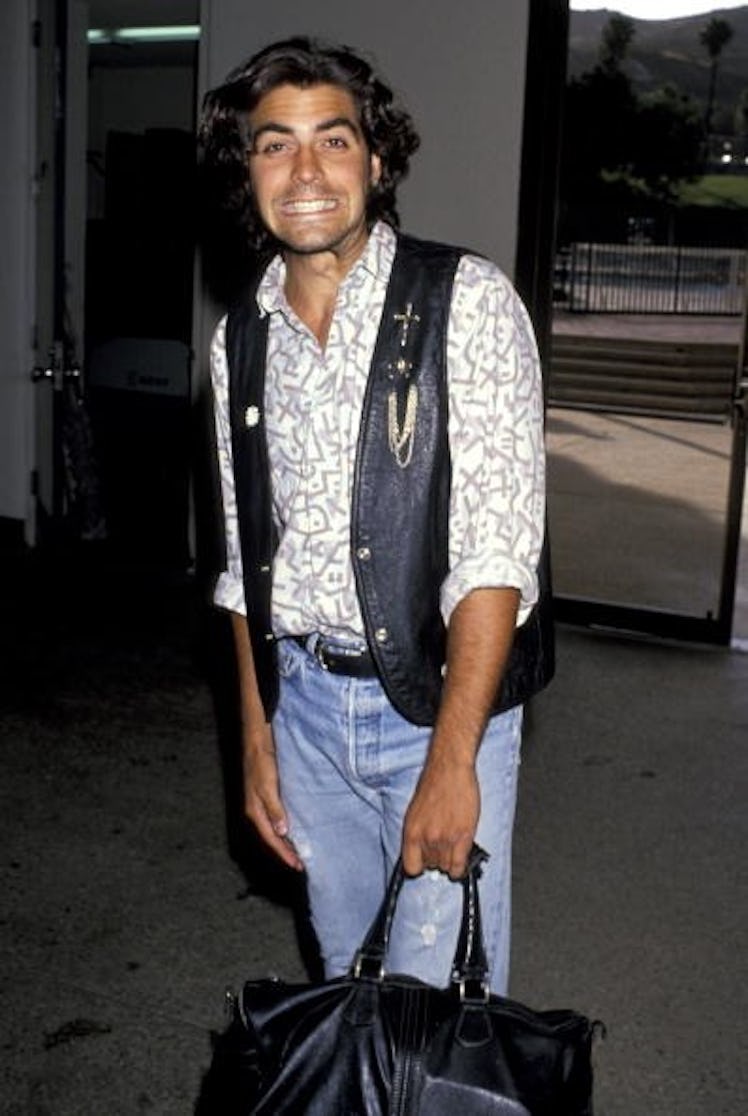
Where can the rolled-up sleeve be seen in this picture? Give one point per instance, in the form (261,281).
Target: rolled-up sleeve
(229,589)
(497,503)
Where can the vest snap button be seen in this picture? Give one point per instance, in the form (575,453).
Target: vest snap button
(380,635)
(363,553)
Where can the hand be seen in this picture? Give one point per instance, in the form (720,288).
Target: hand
(262,801)
(442,819)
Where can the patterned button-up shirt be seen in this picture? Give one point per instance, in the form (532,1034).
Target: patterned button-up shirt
(313,405)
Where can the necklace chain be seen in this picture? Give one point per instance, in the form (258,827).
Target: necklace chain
(401,437)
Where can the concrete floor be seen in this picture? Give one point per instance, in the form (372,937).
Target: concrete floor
(643,499)
(125,911)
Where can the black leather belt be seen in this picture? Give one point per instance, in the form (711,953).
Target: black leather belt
(355,663)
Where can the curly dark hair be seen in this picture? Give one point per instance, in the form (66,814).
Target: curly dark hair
(303,62)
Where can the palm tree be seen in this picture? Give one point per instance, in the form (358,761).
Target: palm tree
(715,37)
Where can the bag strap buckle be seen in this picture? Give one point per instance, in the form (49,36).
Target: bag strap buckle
(473,991)
(366,967)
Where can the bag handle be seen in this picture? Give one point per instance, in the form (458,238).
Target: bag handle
(469,967)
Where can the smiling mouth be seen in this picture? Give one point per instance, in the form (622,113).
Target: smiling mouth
(309,205)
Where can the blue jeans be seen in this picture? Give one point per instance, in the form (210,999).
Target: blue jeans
(348,765)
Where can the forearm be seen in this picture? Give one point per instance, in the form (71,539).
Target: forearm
(253,719)
(262,798)
(443,815)
(481,632)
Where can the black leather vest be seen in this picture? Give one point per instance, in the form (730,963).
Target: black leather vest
(399,520)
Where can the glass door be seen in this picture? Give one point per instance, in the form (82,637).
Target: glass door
(646,443)
(644,357)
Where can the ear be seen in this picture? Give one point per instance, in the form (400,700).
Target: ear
(375,169)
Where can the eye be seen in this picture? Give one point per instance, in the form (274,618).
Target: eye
(337,143)
(271,147)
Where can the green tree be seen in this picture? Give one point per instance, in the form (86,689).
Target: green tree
(668,142)
(620,149)
(714,37)
(599,121)
(615,42)
(599,114)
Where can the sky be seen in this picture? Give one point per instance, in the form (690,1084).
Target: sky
(657,9)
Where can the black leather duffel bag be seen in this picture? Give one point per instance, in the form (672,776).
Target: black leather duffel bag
(373,1043)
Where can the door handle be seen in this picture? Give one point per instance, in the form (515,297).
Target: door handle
(55,371)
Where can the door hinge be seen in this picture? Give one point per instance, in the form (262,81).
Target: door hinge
(34,482)
(36,33)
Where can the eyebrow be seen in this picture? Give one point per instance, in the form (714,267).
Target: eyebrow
(323,126)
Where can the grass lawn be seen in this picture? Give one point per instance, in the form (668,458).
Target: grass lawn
(729,190)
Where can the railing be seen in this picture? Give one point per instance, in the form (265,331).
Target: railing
(650,279)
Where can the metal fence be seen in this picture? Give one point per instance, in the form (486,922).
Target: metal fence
(651,279)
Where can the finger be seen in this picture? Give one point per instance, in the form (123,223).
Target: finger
(274,832)
(283,847)
(437,856)
(413,862)
(460,853)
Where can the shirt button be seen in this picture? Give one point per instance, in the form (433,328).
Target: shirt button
(380,635)
(364,553)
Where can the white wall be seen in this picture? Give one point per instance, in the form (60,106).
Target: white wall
(16,359)
(460,69)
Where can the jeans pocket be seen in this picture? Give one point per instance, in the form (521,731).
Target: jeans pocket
(290,658)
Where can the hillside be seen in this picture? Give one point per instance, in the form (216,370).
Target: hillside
(669,51)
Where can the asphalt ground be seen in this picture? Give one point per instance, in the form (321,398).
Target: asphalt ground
(131,895)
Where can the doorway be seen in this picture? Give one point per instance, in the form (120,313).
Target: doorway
(139,273)
(115,237)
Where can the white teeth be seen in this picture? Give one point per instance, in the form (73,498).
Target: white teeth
(311,206)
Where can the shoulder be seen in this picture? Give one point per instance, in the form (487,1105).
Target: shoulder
(484,293)
(474,273)
(427,249)
(482,276)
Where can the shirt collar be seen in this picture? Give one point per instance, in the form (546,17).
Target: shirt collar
(376,258)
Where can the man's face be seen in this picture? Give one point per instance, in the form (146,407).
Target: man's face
(311,170)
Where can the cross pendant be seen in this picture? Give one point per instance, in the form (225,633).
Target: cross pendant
(406,320)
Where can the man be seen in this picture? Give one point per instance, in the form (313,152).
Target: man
(379,426)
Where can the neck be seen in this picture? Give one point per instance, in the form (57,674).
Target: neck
(312,284)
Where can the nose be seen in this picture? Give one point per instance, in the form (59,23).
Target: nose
(306,165)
